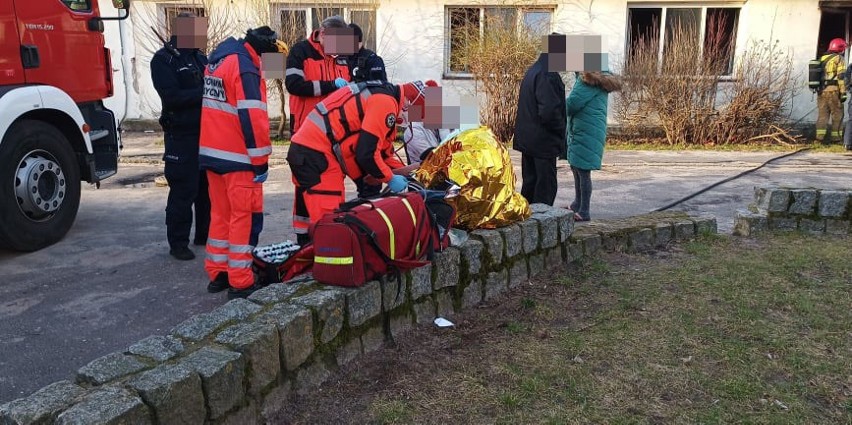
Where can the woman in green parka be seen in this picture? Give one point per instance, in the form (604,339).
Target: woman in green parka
(587,110)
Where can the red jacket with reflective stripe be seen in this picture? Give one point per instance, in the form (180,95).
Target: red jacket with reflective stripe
(310,77)
(367,148)
(234,120)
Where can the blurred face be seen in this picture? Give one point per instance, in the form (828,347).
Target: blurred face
(338,41)
(191,32)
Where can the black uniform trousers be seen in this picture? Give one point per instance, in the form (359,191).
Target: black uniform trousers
(366,191)
(539,179)
(187,188)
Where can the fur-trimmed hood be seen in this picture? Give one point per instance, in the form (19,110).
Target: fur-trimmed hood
(606,81)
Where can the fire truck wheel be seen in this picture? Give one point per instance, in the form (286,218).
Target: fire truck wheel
(39,186)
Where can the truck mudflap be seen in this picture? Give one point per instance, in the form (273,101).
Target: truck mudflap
(103,161)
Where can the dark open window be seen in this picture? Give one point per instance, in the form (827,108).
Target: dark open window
(711,30)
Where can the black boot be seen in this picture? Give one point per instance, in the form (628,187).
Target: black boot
(219,284)
(182,253)
(234,293)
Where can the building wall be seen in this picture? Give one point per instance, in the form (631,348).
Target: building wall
(410,37)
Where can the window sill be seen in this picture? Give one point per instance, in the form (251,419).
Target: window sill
(455,76)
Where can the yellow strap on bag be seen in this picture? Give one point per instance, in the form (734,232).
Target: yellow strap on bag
(414,221)
(390,230)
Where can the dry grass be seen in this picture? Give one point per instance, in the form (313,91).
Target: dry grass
(683,94)
(498,58)
(719,331)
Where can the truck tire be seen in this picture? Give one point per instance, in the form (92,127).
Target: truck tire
(39,186)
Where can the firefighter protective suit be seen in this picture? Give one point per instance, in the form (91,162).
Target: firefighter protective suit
(310,77)
(235,147)
(831,97)
(350,133)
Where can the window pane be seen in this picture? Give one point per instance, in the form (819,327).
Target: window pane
(366,19)
(503,17)
(683,29)
(320,13)
(720,36)
(464,26)
(538,22)
(645,31)
(293,26)
(172,12)
(78,5)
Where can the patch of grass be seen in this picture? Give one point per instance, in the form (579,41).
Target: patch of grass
(391,411)
(515,327)
(658,145)
(720,332)
(278,141)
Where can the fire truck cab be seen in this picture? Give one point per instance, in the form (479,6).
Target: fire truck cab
(55,131)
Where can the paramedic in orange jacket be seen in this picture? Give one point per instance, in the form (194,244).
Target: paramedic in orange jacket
(312,73)
(350,133)
(235,149)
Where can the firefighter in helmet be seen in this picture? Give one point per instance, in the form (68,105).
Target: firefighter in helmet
(235,149)
(350,133)
(832,93)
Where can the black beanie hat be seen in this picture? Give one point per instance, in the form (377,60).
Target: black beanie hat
(262,39)
(358,33)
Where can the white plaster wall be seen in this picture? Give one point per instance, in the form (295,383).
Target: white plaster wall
(410,38)
(795,24)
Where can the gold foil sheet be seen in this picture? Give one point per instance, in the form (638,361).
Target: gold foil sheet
(477,162)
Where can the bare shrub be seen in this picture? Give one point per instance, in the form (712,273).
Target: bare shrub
(498,58)
(682,94)
(759,97)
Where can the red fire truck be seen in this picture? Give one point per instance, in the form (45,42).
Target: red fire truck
(55,131)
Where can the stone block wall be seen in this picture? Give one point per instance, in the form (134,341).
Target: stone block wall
(808,210)
(240,363)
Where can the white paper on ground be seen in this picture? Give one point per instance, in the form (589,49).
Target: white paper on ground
(443,323)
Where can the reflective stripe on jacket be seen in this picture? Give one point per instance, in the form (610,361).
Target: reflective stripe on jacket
(234,119)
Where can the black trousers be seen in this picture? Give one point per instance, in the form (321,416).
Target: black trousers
(367,191)
(582,192)
(187,188)
(539,179)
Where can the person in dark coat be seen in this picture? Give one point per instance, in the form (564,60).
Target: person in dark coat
(365,65)
(178,77)
(540,131)
(587,109)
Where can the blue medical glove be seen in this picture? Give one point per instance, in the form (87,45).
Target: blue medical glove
(260,178)
(397,184)
(340,82)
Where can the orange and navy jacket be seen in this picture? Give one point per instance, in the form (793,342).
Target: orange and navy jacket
(366,134)
(310,77)
(234,121)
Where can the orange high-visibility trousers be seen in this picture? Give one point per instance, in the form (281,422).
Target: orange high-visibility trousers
(236,219)
(319,182)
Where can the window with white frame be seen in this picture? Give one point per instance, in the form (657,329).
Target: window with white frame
(293,21)
(170,13)
(715,29)
(538,21)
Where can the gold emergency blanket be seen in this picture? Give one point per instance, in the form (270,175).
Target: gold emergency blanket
(477,162)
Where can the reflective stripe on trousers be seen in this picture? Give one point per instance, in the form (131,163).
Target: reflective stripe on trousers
(236,216)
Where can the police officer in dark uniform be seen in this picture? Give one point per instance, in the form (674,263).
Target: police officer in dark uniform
(365,65)
(178,76)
